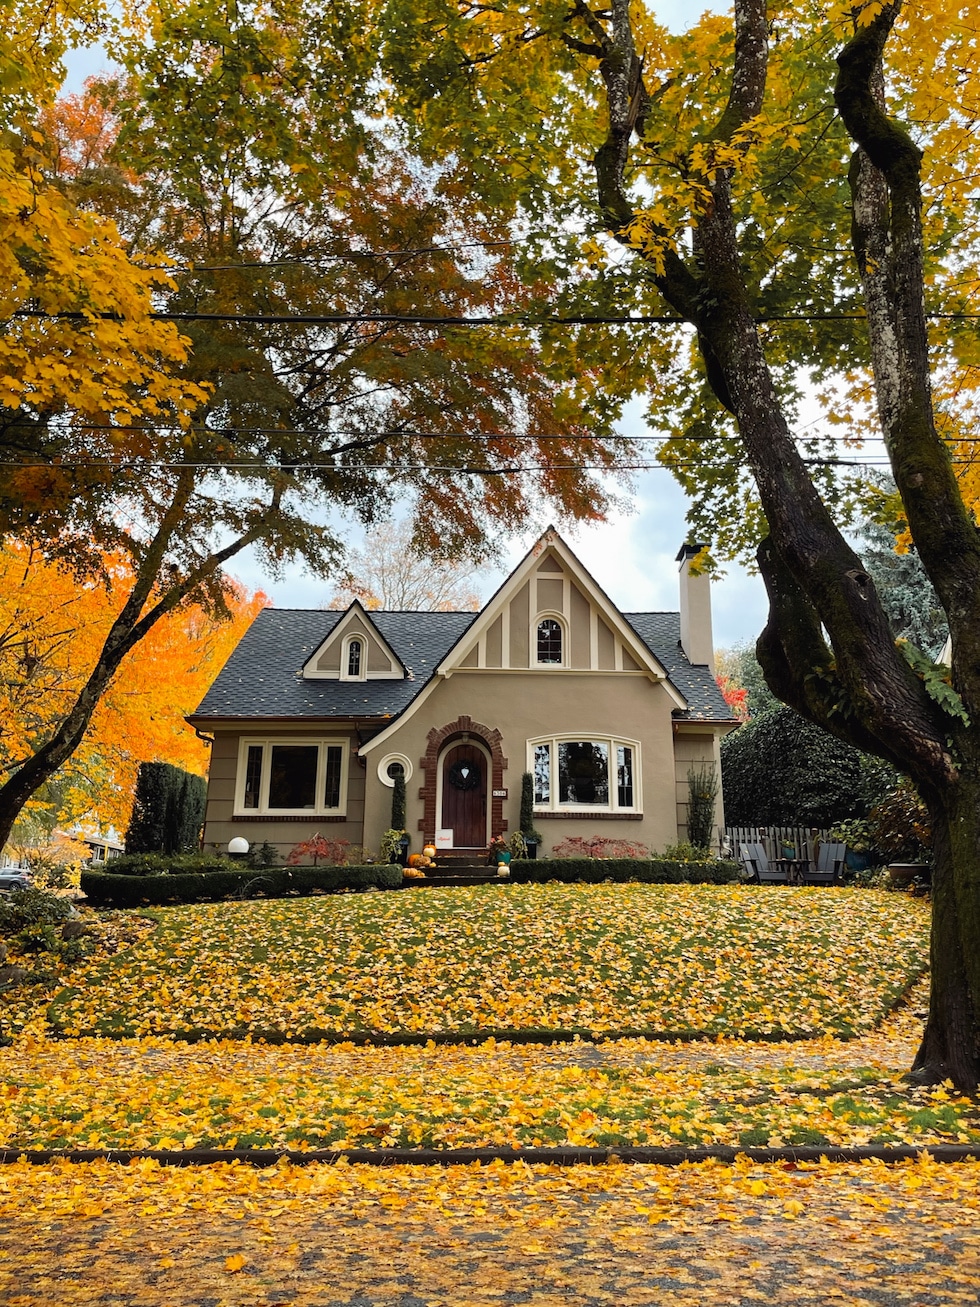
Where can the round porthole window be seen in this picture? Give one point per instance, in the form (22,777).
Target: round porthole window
(392,765)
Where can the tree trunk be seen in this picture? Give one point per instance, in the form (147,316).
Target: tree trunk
(950,1048)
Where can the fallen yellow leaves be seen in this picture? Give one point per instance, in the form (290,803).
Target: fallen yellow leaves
(154,1093)
(726,960)
(613,1234)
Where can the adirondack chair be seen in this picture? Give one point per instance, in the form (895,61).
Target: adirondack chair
(756,863)
(830,863)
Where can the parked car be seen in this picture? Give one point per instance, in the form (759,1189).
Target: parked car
(15,878)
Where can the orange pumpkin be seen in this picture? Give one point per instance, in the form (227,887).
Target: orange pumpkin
(414,859)
(429,850)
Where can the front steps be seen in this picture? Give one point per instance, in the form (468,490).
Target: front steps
(458,867)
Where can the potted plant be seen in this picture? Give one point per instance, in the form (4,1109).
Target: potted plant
(857,839)
(394,847)
(527,832)
(500,853)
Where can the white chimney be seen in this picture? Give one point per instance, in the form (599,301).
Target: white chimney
(695,596)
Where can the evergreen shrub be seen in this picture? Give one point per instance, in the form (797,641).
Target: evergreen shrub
(168,810)
(104,889)
(649,871)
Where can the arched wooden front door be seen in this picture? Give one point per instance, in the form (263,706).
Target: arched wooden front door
(464,795)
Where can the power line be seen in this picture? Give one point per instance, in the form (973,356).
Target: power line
(311,260)
(293,469)
(409,434)
(446,320)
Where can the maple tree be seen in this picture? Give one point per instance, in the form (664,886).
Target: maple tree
(245,159)
(769,182)
(52,629)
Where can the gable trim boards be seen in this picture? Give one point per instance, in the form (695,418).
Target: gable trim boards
(334,660)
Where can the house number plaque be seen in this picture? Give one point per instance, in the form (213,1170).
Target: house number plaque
(500,794)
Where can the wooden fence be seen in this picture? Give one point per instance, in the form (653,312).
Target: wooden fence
(776,839)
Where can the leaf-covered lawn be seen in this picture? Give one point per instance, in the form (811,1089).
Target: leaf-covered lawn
(154,1093)
(723,960)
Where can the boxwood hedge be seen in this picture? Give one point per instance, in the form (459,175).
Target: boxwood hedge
(105,890)
(652,871)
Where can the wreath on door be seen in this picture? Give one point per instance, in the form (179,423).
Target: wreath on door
(464,776)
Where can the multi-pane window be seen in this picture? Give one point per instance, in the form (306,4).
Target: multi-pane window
(584,773)
(292,776)
(549,641)
(355,659)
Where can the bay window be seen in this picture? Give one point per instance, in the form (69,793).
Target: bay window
(297,777)
(588,773)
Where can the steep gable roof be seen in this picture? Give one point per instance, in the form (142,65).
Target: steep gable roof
(263,677)
(324,662)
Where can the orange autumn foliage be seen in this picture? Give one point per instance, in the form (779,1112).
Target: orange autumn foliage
(52,627)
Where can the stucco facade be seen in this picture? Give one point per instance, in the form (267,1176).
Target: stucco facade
(605,709)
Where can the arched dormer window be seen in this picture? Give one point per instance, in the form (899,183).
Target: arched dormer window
(550,642)
(353,665)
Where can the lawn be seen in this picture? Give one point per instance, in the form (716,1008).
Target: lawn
(665,960)
(156,1093)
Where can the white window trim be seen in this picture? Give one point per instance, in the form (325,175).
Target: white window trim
(386,762)
(550,616)
(590,737)
(266,742)
(345,657)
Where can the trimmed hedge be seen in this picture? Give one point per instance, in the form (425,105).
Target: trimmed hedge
(651,871)
(103,889)
(167,864)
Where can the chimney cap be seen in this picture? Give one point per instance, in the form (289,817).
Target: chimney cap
(687,550)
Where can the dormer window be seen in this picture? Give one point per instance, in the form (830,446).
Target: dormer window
(550,641)
(353,666)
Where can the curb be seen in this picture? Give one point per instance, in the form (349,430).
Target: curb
(410,1039)
(484,1156)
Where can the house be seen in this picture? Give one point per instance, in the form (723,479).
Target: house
(316,713)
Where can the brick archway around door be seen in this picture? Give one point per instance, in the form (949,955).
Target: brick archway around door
(461,729)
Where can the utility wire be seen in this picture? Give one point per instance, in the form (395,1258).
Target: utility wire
(440,320)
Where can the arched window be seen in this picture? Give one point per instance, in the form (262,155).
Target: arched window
(353,665)
(550,641)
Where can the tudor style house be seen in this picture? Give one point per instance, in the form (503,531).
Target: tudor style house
(316,712)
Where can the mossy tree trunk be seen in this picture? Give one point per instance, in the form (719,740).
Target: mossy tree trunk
(827,649)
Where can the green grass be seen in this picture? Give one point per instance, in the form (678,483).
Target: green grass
(743,961)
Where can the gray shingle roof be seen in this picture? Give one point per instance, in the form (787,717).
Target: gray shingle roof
(661,633)
(262,676)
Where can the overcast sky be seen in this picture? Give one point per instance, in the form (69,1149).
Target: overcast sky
(631,556)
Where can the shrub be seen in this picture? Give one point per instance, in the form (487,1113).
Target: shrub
(398,802)
(702,791)
(527,810)
(334,853)
(685,852)
(168,810)
(599,846)
(651,871)
(31,907)
(781,770)
(104,889)
(900,825)
(163,864)
(263,855)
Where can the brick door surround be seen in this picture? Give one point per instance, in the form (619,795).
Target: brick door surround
(436,741)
